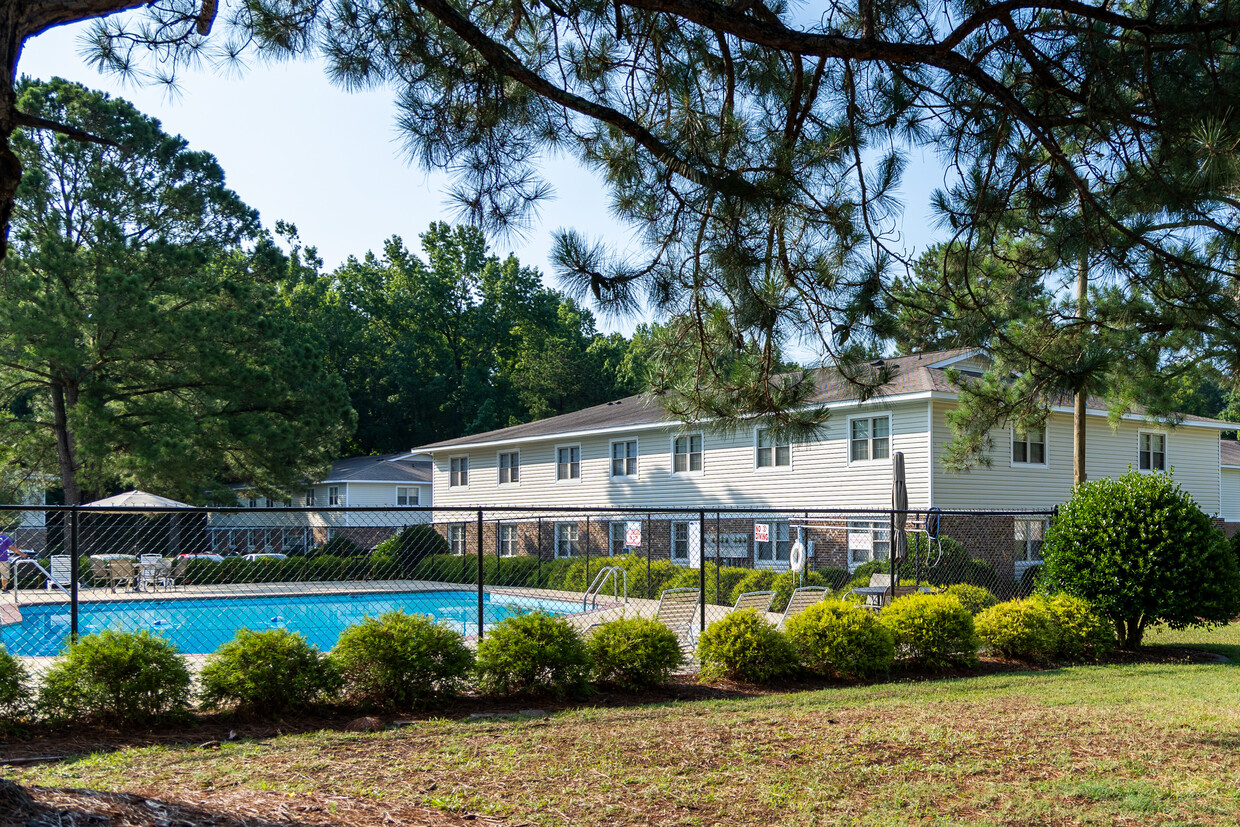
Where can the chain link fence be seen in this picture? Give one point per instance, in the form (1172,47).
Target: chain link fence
(196,576)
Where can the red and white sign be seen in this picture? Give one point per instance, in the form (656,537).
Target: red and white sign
(761,533)
(632,533)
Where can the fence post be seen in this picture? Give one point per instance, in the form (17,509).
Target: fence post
(587,551)
(538,577)
(74,572)
(649,551)
(480,589)
(719,599)
(702,569)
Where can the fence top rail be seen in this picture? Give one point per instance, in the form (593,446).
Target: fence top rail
(529,509)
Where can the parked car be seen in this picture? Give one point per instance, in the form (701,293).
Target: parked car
(265,555)
(214,558)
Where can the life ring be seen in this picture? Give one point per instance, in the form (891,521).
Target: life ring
(796,557)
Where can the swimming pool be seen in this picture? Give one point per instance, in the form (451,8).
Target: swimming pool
(201,624)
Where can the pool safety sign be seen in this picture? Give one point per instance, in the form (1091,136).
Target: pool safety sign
(762,532)
(632,533)
(695,545)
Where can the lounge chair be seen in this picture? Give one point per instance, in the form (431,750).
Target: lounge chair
(122,570)
(678,611)
(759,601)
(878,593)
(802,599)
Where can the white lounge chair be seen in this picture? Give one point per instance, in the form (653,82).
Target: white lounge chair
(678,611)
(802,599)
(759,601)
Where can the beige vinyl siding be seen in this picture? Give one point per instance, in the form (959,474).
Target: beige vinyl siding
(383,494)
(820,475)
(1192,457)
(1231,494)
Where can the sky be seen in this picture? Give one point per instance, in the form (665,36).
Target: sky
(296,148)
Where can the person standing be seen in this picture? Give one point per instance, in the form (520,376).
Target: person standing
(7,552)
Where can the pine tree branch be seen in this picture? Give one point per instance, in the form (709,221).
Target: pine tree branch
(35,122)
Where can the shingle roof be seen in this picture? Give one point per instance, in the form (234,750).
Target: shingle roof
(1229,452)
(381,468)
(910,374)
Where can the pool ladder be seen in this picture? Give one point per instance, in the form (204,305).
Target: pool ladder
(619,581)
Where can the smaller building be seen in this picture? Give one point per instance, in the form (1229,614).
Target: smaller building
(391,484)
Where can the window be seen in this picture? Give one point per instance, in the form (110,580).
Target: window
(333,495)
(867,541)
(869,438)
(566,540)
(624,458)
(270,503)
(309,496)
(407,496)
(458,472)
(773,553)
(1028,534)
(456,538)
(615,538)
(509,467)
(1152,452)
(507,537)
(568,462)
(253,502)
(293,541)
(687,454)
(1029,448)
(772,452)
(680,542)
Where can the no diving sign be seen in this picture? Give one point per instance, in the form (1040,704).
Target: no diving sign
(762,532)
(633,533)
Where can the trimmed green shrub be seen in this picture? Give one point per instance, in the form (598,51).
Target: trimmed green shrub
(743,646)
(1141,552)
(1080,632)
(1023,629)
(413,544)
(268,672)
(974,598)
(931,630)
(120,677)
(634,652)
(400,661)
(338,546)
(837,638)
(532,653)
(729,578)
(14,686)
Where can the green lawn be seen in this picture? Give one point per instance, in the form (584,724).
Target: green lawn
(1141,745)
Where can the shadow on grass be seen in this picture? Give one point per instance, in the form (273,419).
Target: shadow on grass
(20,806)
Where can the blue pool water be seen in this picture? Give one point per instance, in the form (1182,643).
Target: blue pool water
(199,625)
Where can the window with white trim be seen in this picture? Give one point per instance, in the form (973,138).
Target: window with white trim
(309,496)
(458,472)
(566,540)
(333,495)
(568,462)
(624,458)
(1029,535)
(269,503)
(868,541)
(1151,451)
(1029,448)
(680,542)
(869,438)
(507,538)
(772,452)
(253,502)
(775,552)
(509,467)
(407,496)
(615,538)
(456,538)
(687,454)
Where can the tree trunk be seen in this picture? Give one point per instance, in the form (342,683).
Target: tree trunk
(1130,632)
(66,454)
(1078,413)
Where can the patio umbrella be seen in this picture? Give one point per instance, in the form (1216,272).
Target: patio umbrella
(136,499)
(899,515)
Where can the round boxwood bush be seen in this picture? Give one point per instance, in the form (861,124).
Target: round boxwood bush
(974,598)
(268,673)
(742,646)
(634,652)
(14,686)
(1141,552)
(119,677)
(931,630)
(532,653)
(1022,629)
(1080,632)
(401,661)
(840,639)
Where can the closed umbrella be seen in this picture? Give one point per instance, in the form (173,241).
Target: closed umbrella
(899,515)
